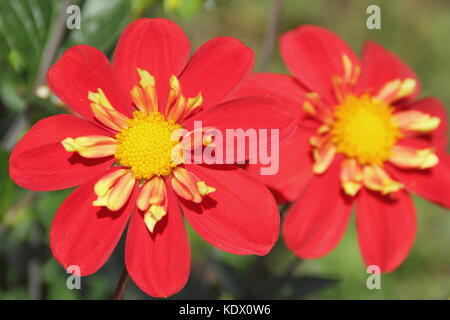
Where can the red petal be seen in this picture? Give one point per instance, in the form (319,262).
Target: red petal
(40,162)
(251,113)
(158,46)
(279,86)
(386,228)
(82,69)
(295,168)
(314,56)
(240,217)
(317,220)
(84,235)
(432,184)
(436,108)
(380,66)
(159,262)
(216,69)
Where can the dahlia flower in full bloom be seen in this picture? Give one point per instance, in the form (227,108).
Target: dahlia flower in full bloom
(118,145)
(364,141)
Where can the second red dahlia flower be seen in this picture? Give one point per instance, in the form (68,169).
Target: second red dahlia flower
(364,141)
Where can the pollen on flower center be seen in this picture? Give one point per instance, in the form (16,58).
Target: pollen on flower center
(364,129)
(147,144)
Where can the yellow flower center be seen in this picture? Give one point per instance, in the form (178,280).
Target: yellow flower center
(364,129)
(147,144)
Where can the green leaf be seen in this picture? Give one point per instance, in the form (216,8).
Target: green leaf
(171,5)
(25,25)
(7,186)
(16,60)
(185,8)
(56,279)
(232,280)
(47,205)
(101,23)
(138,7)
(9,95)
(301,287)
(188,8)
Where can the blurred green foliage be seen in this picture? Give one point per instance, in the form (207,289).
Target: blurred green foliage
(415,30)
(102,23)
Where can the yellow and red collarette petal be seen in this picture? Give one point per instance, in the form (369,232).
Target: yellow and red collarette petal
(188,186)
(104,112)
(91,146)
(198,138)
(416,121)
(348,67)
(176,101)
(114,189)
(351,176)
(144,96)
(323,129)
(193,104)
(105,183)
(309,108)
(413,158)
(204,189)
(178,107)
(152,200)
(396,90)
(316,108)
(351,71)
(185,185)
(323,154)
(339,88)
(343,85)
(376,179)
(318,141)
(152,192)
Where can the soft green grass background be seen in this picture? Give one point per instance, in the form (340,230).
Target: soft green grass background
(416,30)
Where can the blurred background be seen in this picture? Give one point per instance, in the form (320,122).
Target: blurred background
(33,35)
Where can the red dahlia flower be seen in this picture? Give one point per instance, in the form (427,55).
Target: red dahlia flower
(363,141)
(118,145)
